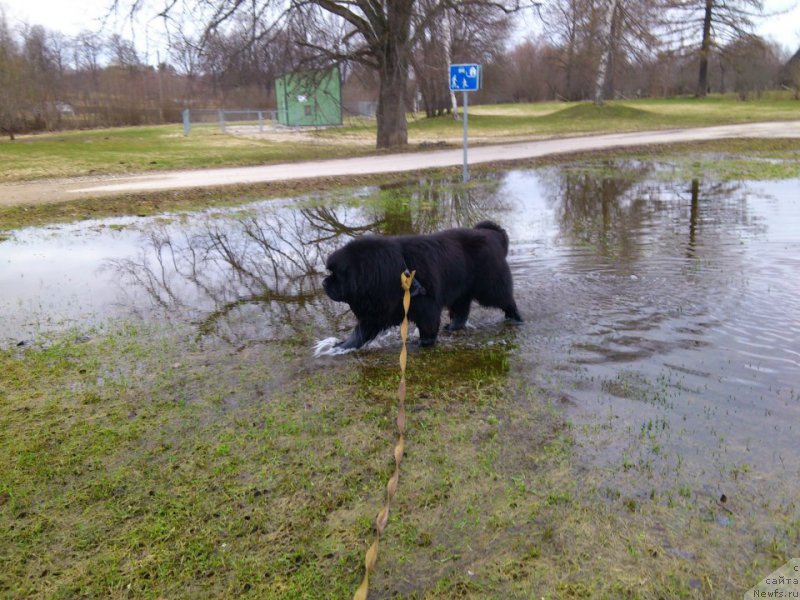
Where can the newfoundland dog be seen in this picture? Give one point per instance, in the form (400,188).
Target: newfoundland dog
(453,268)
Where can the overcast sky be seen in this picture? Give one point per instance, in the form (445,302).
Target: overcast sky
(72,17)
(68,17)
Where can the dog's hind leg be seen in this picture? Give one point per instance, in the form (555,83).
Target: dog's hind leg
(504,300)
(498,293)
(512,314)
(459,313)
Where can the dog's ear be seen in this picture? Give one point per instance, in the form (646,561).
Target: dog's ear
(372,268)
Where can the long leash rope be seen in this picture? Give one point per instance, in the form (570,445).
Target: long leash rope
(391,488)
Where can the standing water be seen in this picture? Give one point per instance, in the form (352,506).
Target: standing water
(664,315)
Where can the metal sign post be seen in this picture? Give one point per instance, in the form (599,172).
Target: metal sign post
(465,78)
(465,172)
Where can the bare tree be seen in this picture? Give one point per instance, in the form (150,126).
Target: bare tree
(790,74)
(429,60)
(703,25)
(12,96)
(88,48)
(377,34)
(569,26)
(596,40)
(185,54)
(447,42)
(626,37)
(754,63)
(469,33)
(518,76)
(123,53)
(607,11)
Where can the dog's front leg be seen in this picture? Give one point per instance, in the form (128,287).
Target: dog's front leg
(428,330)
(363,333)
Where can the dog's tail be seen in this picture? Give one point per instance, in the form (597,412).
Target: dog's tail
(495,227)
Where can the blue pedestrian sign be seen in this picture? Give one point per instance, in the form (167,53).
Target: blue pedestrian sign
(465,78)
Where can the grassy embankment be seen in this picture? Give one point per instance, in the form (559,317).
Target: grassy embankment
(147,464)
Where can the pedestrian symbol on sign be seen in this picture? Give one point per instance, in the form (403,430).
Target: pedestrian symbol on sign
(465,78)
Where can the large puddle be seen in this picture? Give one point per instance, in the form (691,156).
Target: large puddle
(663,315)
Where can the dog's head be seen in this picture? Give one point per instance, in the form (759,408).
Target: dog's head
(365,273)
(343,272)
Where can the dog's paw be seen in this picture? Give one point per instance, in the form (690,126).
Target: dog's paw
(330,347)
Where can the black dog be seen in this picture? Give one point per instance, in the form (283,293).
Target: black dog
(453,268)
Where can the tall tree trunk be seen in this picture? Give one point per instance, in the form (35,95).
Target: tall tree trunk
(393,74)
(705,50)
(570,57)
(605,41)
(616,26)
(391,113)
(447,40)
(454,104)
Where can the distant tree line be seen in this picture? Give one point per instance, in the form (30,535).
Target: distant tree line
(395,54)
(596,49)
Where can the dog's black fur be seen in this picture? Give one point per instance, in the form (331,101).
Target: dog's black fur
(453,268)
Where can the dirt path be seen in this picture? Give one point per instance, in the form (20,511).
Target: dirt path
(52,191)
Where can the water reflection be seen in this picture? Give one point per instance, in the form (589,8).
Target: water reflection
(652,257)
(603,213)
(646,297)
(675,302)
(436,204)
(620,218)
(223,270)
(256,275)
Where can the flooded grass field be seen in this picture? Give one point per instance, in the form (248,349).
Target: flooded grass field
(168,431)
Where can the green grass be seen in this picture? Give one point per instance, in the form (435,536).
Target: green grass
(137,149)
(570,120)
(145,463)
(140,149)
(557,119)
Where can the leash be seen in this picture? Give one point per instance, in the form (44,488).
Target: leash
(391,488)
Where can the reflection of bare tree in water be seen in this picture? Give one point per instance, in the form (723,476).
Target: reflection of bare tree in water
(258,276)
(678,240)
(253,276)
(616,215)
(715,208)
(329,225)
(599,211)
